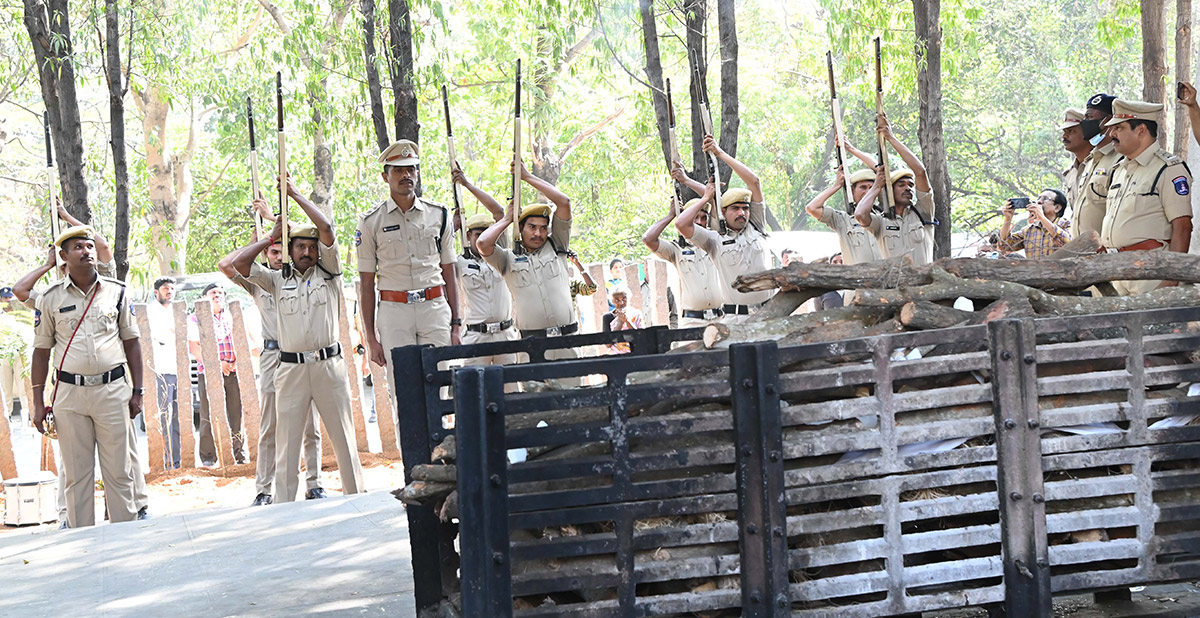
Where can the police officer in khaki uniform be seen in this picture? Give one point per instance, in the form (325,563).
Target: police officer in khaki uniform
(406,253)
(858,244)
(907,228)
(1087,208)
(537,270)
(1149,200)
(740,247)
(88,321)
(268,362)
(1074,143)
(700,294)
(312,368)
(487,302)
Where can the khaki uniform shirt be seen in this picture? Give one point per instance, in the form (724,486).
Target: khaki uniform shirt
(906,234)
(858,243)
(268,314)
(97,345)
(482,291)
(401,248)
(307,303)
(1072,176)
(1141,209)
(1087,208)
(540,282)
(737,253)
(699,286)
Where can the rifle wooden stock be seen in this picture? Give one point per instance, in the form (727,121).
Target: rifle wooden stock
(254,187)
(452,154)
(51,205)
(835,107)
(883,157)
(515,204)
(677,199)
(283,179)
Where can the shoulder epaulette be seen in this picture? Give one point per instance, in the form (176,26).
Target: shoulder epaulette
(370,211)
(113,280)
(1168,157)
(433,203)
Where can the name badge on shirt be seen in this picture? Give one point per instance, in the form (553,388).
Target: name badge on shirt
(690,252)
(391,228)
(523,258)
(473,266)
(290,286)
(894,228)
(729,242)
(66,309)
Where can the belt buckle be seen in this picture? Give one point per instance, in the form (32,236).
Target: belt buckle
(493,327)
(710,314)
(311,357)
(93,380)
(416,296)
(1111,250)
(554,331)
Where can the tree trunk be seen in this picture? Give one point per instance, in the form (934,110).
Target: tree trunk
(547,161)
(116,109)
(654,74)
(322,193)
(696,22)
(400,64)
(1154,61)
(373,88)
(1183,69)
(169,182)
(730,121)
(49,29)
(926,15)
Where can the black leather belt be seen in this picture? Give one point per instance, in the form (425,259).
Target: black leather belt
(489,327)
(741,309)
(270,344)
(556,331)
(116,373)
(313,356)
(706,314)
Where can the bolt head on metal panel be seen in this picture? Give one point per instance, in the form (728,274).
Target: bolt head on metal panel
(1009,423)
(1005,355)
(1016,495)
(1029,359)
(747,383)
(755,597)
(751,529)
(493,407)
(1038,498)
(498,557)
(1033,424)
(770,388)
(495,478)
(429,378)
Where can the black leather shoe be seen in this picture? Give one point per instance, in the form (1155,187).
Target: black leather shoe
(261,500)
(143,513)
(315,493)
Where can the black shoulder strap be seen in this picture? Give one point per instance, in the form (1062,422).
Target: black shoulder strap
(441,228)
(1157,177)
(121,300)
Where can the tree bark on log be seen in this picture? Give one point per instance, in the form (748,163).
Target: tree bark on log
(1067,274)
(724,335)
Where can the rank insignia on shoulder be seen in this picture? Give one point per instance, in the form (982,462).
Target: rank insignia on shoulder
(357,237)
(1181,185)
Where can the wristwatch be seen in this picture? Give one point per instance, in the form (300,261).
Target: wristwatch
(139,391)
(456,322)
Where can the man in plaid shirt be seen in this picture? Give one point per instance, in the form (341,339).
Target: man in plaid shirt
(223,332)
(1047,230)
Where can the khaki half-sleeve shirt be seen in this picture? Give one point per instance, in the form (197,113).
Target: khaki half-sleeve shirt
(405,250)
(540,282)
(907,234)
(857,242)
(699,285)
(307,303)
(97,345)
(1140,208)
(1088,207)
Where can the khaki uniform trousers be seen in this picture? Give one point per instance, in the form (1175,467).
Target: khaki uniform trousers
(401,324)
(91,419)
(12,385)
(1135,287)
(508,334)
(264,468)
(299,387)
(140,499)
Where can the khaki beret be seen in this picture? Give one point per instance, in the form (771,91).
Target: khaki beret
(862,176)
(535,210)
(481,221)
(1134,110)
(1071,118)
(735,196)
(78,231)
(902,173)
(303,231)
(692,202)
(400,153)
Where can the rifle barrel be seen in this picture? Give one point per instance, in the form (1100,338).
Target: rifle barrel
(49,146)
(283,179)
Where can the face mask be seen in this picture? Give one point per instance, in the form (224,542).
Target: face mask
(1092,131)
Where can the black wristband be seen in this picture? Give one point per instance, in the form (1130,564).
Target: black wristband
(456,322)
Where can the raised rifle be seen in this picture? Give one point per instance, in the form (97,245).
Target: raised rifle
(677,198)
(55,226)
(714,169)
(453,156)
(887,200)
(283,179)
(514,206)
(254,191)
(835,107)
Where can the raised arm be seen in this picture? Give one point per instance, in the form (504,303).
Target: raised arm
(816,208)
(24,286)
(560,200)
(486,243)
(318,218)
(1188,100)
(650,238)
(681,177)
(921,179)
(862,211)
(103,249)
(483,197)
(241,259)
(867,159)
(686,223)
(739,168)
